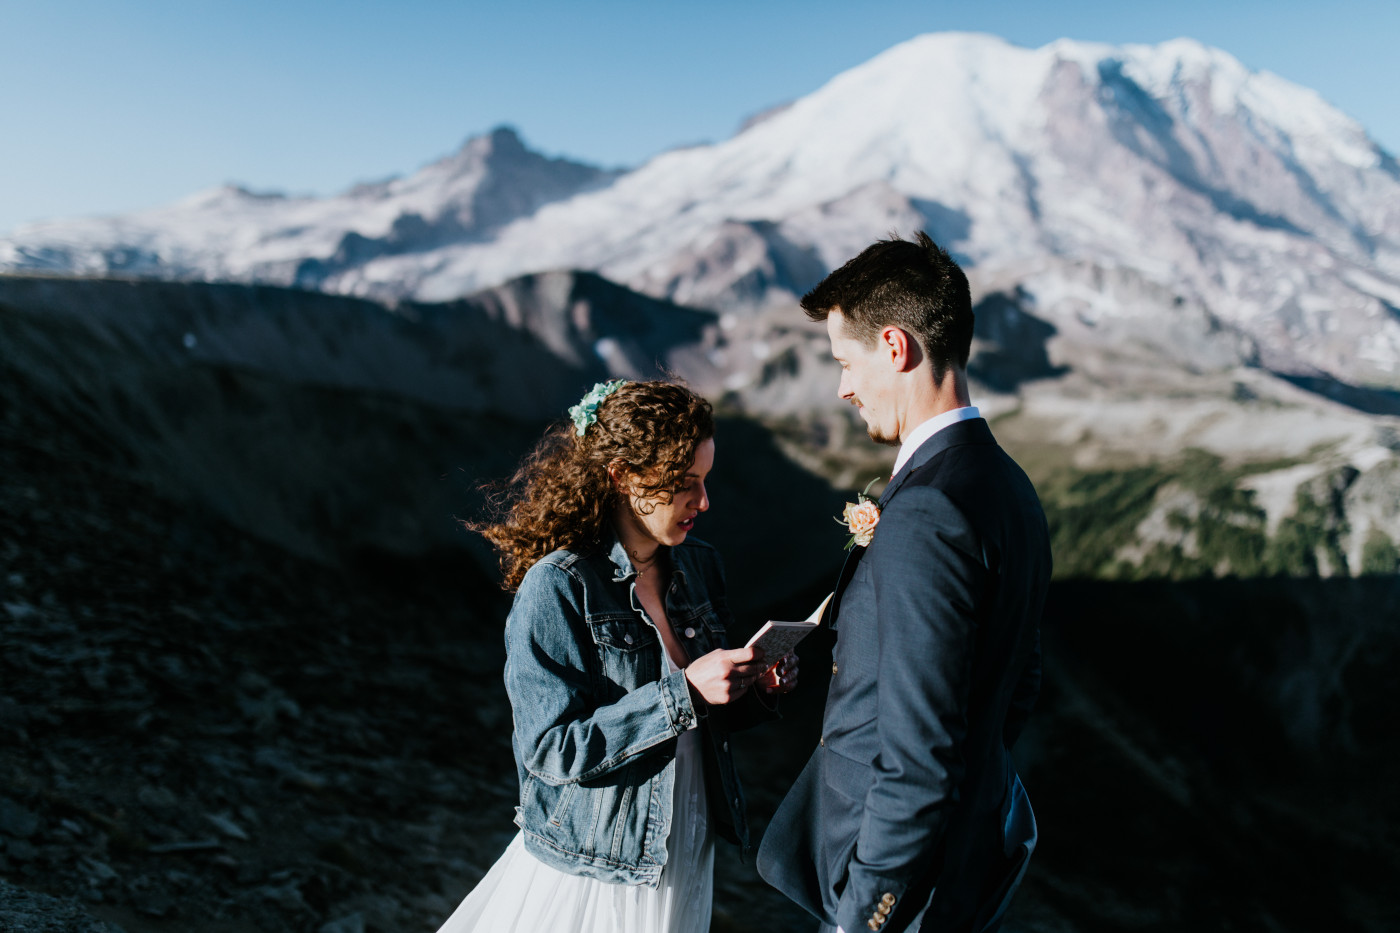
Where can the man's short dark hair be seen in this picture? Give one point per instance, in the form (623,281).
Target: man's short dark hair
(914,286)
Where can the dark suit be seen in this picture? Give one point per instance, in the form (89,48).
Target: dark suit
(911,801)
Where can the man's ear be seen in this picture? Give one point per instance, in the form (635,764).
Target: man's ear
(904,351)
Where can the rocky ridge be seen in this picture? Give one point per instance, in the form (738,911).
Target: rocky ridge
(201,729)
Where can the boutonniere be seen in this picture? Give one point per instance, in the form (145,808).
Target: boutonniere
(861,517)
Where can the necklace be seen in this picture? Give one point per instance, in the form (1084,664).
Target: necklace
(643,566)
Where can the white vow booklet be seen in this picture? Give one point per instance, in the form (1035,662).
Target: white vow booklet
(777,639)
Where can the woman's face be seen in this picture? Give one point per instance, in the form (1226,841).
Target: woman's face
(653,519)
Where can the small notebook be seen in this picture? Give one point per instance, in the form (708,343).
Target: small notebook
(777,639)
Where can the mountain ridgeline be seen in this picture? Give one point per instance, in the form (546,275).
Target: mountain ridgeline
(1234,190)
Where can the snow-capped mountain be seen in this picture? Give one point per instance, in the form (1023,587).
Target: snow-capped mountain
(1234,191)
(229,233)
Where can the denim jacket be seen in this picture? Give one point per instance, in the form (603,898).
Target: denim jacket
(596,716)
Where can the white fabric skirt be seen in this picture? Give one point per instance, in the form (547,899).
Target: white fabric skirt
(521,894)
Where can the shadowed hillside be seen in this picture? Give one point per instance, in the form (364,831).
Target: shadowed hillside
(251,674)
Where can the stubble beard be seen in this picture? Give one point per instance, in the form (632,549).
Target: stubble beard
(873,432)
(879,438)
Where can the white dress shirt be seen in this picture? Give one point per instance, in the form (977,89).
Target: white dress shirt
(928,429)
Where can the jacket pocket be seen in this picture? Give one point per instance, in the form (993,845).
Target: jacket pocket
(841,809)
(560,812)
(848,777)
(701,628)
(625,634)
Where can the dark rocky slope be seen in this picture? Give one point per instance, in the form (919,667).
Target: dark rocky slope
(249,677)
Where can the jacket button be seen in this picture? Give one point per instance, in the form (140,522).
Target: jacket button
(822,741)
(872,924)
(887,899)
(833,668)
(689,632)
(726,746)
(627,638)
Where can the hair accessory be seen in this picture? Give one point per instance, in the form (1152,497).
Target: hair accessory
(586,411)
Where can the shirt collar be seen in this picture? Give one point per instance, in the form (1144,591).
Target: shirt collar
(624,569)
(621,561)
(928,429)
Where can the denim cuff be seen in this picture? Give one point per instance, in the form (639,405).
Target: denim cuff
(675,693)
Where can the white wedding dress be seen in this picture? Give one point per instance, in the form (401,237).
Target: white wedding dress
(521,894)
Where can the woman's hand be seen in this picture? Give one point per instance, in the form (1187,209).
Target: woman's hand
(781,677)
(722,676)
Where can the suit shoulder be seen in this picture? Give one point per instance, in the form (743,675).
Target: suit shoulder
(925,509)
(985,472)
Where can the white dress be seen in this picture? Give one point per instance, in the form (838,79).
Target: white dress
(521,894)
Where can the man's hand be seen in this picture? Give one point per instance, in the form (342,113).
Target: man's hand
(781,677)
(722,676)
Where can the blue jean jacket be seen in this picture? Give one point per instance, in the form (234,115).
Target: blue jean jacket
(596,718)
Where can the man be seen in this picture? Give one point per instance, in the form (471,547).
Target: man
(909,814)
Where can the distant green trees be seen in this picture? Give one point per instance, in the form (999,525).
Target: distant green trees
(1203,523)
(1380,555)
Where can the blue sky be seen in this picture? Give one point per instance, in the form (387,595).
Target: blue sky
(114,106)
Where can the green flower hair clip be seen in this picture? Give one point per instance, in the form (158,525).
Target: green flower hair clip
(586,411)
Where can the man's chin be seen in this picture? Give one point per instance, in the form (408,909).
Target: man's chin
(876,435)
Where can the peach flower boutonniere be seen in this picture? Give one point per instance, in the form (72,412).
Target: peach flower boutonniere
(861,517)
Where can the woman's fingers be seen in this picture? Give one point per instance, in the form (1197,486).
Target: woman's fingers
(723,676)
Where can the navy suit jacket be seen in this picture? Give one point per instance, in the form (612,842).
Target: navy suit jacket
(910,801)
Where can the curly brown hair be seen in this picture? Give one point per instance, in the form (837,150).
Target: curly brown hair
(562,496)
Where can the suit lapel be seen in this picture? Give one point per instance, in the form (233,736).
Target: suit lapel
(848,570)
(972,431)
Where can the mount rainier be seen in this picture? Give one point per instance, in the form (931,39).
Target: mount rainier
(1056,169)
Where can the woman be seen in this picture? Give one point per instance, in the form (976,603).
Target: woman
(620,681)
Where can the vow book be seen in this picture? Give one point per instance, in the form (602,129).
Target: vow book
(777,639)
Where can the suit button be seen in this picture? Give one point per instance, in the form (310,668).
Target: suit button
(887,899)
(833,668)
(883,910)
(873,924)
(627,638)
(822,741)
(689,632)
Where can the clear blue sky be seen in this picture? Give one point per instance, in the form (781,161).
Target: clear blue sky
(113,106)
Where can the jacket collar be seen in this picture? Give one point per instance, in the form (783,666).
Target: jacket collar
(971,431)
(624,569)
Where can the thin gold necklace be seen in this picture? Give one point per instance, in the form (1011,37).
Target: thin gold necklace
(642,566)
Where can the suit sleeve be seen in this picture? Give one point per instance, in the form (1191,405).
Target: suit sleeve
(928,573)
(565,733)
(1023,700)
